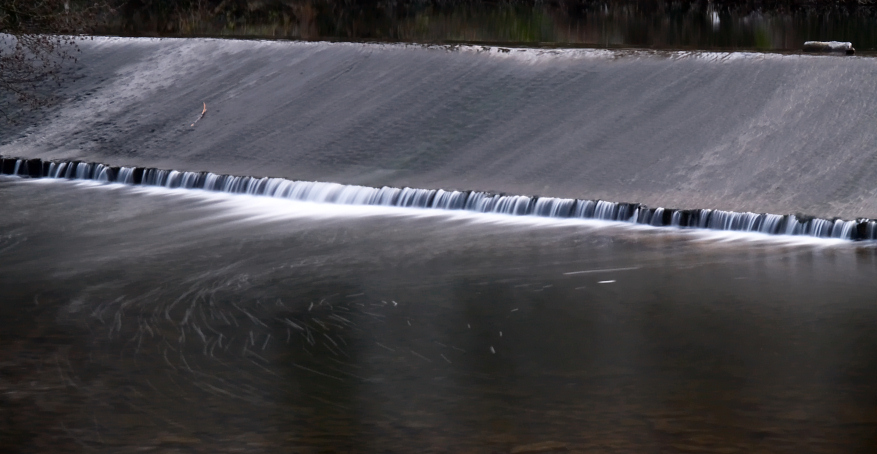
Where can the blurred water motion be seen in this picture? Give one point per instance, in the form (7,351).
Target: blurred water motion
(184,320)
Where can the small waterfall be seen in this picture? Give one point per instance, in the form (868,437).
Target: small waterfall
(481,202)
(584,209)
(658,218)
(126,175)
(553,208)
(102,173)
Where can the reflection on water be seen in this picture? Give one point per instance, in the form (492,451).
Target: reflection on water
(693,25)
(148,319)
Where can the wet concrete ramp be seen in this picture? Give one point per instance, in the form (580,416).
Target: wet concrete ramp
(744,132)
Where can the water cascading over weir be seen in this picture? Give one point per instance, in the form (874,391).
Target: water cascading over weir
(476,201)
(734,134)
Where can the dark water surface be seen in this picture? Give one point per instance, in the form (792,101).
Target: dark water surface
(186,321)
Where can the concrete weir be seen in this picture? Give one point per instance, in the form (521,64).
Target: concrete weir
(739,132)
(481,202)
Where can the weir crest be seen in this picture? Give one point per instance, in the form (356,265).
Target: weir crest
(476,201)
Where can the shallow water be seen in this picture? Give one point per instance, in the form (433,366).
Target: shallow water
(184,320)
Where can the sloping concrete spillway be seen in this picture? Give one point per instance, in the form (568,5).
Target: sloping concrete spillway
(165,287)
(743,132)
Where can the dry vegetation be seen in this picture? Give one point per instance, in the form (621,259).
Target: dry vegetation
(37,38)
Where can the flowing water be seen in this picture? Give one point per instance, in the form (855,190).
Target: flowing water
(439,199)
(138,317)
(781,134)
(356,260)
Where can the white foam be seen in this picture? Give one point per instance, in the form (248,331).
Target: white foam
(251,208)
